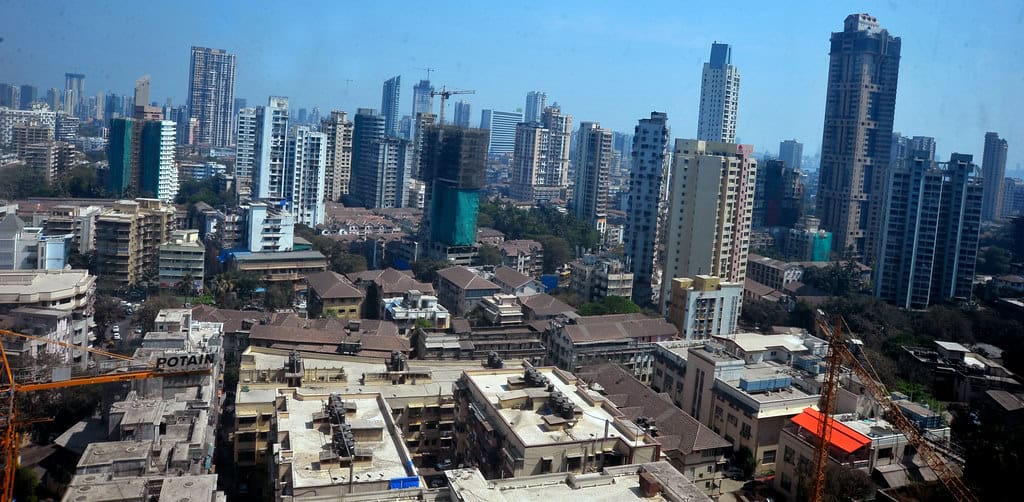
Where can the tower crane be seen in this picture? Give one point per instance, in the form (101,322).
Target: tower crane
(10,437)
(428,70)
(838,354)
(445,94)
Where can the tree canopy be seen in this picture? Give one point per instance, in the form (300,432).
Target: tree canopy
(609,305)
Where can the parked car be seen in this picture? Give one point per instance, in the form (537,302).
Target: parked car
(117,336)
(733,473)
(116,329)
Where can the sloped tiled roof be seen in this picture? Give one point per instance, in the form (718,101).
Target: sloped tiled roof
(511,277)
(233,319)
(544,305)
(677,430)
(524,246)
(465,279)
(618,326)
(331,285)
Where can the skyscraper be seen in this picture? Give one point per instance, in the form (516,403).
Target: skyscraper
(650,164)
(75,83)
(454,170)
(778,200)
(141,158)
(502,127)
(271,149)
(247,132)
(856,138)
(211,95)
(593,168)
(10,96)
(710,204)
(923,144)
(29,94)
(142,91)
(929,241)
(53,99)
(338,172)
(461,114)
(993,172)
(791,152)
(422,102)
(304,181)
(389,104)
(536,101)
(540,160)
(719,96)
(377,162)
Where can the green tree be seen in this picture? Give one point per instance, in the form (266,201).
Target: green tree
(837,279)
(426,270)
(278,296)
(490,255)
(556,252)
(994,260)
(745,460)
(346,263)
(847,484)
(26,483)
(106,312)
(763,313)
(609,305)
(146,315)
(186,287)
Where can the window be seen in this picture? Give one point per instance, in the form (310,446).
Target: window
(745,431)
(718,411)
(768,457)
(885,453)
(785,482)
(804,464)
(787,455)
(545,465)
(731,419)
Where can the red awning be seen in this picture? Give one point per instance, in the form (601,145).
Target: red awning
(840,436)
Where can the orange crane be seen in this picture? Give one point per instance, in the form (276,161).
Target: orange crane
(445,94)
(10,438)
(838,354)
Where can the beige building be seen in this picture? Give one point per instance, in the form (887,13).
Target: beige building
(527,421)
(773,273)
(282,267)
(338,168)
(30,133)
(333,295)
(524,255)
(128,238)
(573,342)
(460,289)
(711,199)
(52,304)
(182,256)
(704,306)
(595,277)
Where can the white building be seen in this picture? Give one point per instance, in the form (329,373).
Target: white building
(269,228)
(167,177)
(39,115)
(271,147)
(719,96)
(593,168)
(182,255)
(704,306)
(338,171)
(535,103)
(710,204)
(304,180)
(650,166)
(246,133)
(540,162)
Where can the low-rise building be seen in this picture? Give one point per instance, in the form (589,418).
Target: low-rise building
(282,267)
(773,273)
(366,337)
(330,294)
(543,307)
(594,278)
(183,256)
(387,286)
(128,238)
(461,289)
(79,221)
(523,255)
(513,342)
(489,236)
(956,373)
(691,447)
(52,304)
(626,339)
(527,421)
(101,488)
(807,242)
(516,284)
(501,309)
(704,306)
(414,309)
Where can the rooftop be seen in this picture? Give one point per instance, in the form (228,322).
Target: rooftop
(466,279)
(613,484)
(98,488)
(618,327)
(331,285)
(520,246)
(278,256)
(757,342)
(31,286)
(531,426)
(307,439)
(511,277)
(544,305)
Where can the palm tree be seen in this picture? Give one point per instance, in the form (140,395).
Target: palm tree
(186,286)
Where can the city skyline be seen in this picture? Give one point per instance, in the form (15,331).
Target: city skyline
(957,112)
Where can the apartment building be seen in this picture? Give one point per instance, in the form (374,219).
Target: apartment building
(128,238)
(524,255)
(573,342)
(182,256)
(460,289)
(331,294)
(704,306)
(775,274)
(51,304)
(595,277)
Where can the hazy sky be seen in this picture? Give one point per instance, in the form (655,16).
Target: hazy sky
(962,70)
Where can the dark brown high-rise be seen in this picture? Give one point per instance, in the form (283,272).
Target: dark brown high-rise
(863,70)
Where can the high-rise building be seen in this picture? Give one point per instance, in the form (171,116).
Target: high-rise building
(304,182)
(1013,197)
(140,155)
(719,96)
(650,161)
(128,238)
(929,241)
(791,152)
(859,107)
(993,172)
(454,168)
(9,117)
(28,133)
(536,101)
(900,148)
(378,162)
(66,128)
(142,91)
(29,95)
(211,95)
(247,130)
(704,306)
(389,104)
(711,201)
(338,172)
(462,114)
(778,200)
(422,101)
(271,149)
(593,168)
(540,160)
(10,96)
(502,127)
(75,83)
(53,99)
(923,144)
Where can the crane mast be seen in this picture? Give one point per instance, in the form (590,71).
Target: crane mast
(838,354)
(445,94)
